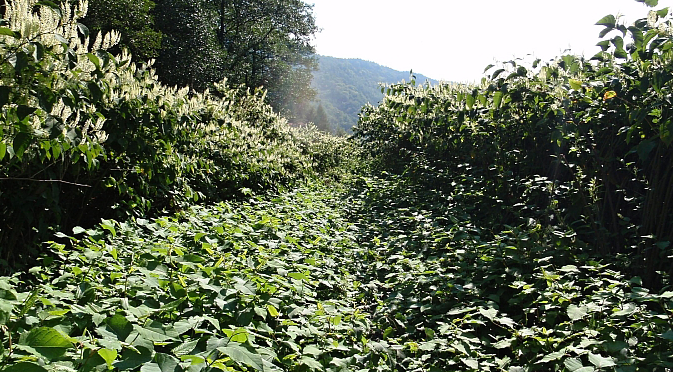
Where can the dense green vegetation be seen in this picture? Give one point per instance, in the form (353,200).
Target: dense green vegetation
(343,86)
(200,42)
(86,135)
(520,225)
(378,278)
(574,144)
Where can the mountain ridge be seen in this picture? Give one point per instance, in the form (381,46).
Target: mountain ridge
(344,86)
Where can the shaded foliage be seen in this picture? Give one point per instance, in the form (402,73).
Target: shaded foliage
(190,54)
(135,21)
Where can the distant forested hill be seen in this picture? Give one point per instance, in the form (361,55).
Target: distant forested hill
(344,86)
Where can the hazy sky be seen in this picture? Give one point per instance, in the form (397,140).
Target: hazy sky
(455,39)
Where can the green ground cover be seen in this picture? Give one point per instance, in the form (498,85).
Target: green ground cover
(522,224)
(375,277)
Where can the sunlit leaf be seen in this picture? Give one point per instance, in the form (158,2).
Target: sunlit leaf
(576,312)
(600,362)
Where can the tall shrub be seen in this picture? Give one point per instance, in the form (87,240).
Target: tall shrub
(575,144)
(86,135)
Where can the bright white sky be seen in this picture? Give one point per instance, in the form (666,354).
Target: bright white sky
(454,40)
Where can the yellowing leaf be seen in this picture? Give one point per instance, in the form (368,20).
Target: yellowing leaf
(609,95)
(108,356)
(575,84)
(193,359)
(272,310)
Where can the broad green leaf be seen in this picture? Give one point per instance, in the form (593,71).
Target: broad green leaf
(7,31)
(5,311)
(241,355)
(78,230)
(552,356)
(600,361)
(621,53)
(605,45)
(83,29)
(49,342)
(517,369)
(573,364)
(469,100)
(21,142)
(502,344)
(150,367)
(109,225)
(193,359)
(472,363)
(48,337)
(489,313)
(173,304)
(311,363)
(497,99)
(497,73)
(167,363)
(120,326)
(645,148)
(194,258)
(577,312)
(569,269)
(239,335)
(312,350)
(336,320)
(154,331)
(108,356)
(618,42)
(131,359)
(29,303)
(246,287)
(608,21)
(185,348)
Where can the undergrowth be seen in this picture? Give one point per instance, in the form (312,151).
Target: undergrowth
(377,278)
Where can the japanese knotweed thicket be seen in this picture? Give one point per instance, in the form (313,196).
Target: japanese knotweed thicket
(576,143)
(86,135)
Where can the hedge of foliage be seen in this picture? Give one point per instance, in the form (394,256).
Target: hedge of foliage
(584,144)
(86,135)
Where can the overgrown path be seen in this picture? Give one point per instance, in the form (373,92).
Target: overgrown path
(371,277)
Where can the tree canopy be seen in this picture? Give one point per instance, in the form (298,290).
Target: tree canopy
(134,19)
(199,42)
